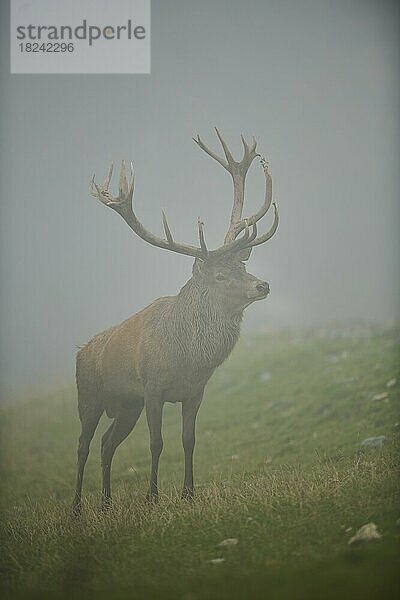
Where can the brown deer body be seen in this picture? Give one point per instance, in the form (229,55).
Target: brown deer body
(168,351)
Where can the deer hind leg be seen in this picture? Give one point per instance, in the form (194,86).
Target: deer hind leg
(154,411)
(115,434)
(89,421)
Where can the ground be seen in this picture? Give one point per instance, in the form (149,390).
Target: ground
(280,468)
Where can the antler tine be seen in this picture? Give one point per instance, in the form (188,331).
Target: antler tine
(123,182)
(107,179)
(96,191)
(92,188)
(244,240)
(225,148)
(246,149)
(210,152)
(203,244)
(268,235)
(253,233)
(132,182)
(167,230)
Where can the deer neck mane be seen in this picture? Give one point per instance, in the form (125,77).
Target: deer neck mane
(205,330)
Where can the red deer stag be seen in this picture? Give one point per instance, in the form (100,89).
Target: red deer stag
(168,351)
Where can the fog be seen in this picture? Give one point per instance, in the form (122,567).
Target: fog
(315,81)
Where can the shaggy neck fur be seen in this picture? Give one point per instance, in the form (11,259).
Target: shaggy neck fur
(202,328)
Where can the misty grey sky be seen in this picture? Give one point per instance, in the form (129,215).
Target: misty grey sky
(315,80)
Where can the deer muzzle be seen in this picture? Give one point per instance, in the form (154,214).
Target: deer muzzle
(259,291)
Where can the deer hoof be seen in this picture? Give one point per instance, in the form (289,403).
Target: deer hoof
(76,508)
(187,494)
(151,498)
(106,504)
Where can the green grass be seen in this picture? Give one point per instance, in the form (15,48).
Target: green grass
(279,466)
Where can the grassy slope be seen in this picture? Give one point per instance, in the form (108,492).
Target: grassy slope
(279,466)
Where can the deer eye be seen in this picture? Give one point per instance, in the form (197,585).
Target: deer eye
(220,277)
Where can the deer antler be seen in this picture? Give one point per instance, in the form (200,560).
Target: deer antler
(122,204)
(238,171)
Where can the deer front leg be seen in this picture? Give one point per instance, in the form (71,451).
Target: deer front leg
(154,408)
(189,414)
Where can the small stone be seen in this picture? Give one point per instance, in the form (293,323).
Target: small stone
(348,529)
(366,533)
(374,441)
(265,376)
(381,396)
(217,561)
(391,383)
(235,456)
(228,543)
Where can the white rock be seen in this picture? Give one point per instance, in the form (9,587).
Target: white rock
(374,441)
(366,533)
(381,396)
(391,383)
(217,561)
(228,543)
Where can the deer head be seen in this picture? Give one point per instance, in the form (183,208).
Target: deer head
(221,271)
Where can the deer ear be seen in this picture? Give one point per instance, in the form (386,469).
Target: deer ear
(197,268)
(244,254)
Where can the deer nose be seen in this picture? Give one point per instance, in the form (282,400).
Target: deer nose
(263,287)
